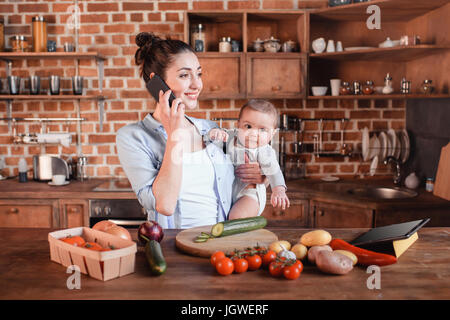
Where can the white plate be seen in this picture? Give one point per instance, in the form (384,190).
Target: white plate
(392,142)
(398,149)
(358,48)
(2,177)
(374,146)
(373,166)
(64,184)
(383,145)
(405,146)
(365,144)
(329,178)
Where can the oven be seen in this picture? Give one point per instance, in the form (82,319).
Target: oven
(127,213)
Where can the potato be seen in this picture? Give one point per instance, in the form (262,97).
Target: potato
(300,251)
(349,254)
(312,252)
(277,246)
(333,262)
(315,238)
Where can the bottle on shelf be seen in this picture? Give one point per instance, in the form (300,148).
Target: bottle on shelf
(39,34)
(198,41)
(23,169)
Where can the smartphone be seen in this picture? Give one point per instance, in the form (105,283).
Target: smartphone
(155,84)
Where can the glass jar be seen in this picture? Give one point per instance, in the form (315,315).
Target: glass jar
(429,185)
(356,87)
(198,40)
(368,87)
(427,86)
(345,89)
(19,43)
(225,45)
(39,34)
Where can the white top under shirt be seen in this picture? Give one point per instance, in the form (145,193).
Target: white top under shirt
(198,202)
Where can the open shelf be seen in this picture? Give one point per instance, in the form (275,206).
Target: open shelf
(381,96)
(49,97)
(50,55)
(391,11)
(399,53)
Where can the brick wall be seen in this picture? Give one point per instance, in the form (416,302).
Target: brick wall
(109,27)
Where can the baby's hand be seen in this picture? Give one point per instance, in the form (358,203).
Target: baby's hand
(218,134)
(279,198)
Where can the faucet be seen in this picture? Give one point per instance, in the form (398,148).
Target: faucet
(397,174)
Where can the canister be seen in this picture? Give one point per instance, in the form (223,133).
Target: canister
(39,34)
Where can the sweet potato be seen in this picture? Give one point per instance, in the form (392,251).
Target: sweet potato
(333,262)
(312,252)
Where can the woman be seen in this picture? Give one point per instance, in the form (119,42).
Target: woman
(179,178)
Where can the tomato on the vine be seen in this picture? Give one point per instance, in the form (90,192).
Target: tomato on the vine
(299,265)
(276,268)
(225,266)
(216,256)
(269,257)
(240,265)
(254,262)
(291,272)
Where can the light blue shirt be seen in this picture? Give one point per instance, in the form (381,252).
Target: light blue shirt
(141,147)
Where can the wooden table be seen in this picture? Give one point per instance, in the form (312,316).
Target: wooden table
(26,272)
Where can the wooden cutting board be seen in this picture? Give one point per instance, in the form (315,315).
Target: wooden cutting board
(185,241)
(442,182)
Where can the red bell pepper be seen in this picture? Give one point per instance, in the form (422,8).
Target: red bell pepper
(365,257)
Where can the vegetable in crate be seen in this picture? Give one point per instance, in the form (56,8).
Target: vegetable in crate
(150,230)
(155,257)
(112,228)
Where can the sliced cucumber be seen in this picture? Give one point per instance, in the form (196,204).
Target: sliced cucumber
(235,226)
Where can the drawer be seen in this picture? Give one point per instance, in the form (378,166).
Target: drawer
(222,76)
(271,77)
(296,214)
(30,215)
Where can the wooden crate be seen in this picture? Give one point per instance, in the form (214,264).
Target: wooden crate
(101,265)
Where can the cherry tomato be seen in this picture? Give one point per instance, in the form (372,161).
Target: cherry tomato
(275,268)
(291,272)
(299,265)
(269,257)
(216,256)
(225,266)
(254,262)
(240,265)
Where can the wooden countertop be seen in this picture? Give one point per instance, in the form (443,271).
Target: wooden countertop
(26,272)
(335,192)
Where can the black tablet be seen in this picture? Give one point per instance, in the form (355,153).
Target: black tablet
(390,233)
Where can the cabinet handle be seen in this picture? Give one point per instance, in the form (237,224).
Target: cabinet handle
(276,88)
(73,210)
(278,213)
(13,210)
(215,88)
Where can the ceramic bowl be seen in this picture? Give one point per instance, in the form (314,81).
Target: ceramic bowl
(319,45)
(319,91)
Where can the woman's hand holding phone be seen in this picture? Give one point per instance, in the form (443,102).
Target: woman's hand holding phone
(172,116)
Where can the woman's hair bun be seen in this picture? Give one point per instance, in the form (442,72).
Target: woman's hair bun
(145,39)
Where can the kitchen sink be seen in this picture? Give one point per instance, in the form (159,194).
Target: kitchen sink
(383,193)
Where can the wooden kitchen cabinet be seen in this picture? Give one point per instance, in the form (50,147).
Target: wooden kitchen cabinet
(296,215)
(331,215)
(223,75)
(26,213)
(74,213)
(268,76)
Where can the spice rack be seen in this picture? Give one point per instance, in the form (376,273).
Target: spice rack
(8,57)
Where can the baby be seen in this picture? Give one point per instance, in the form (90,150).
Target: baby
(256,127)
